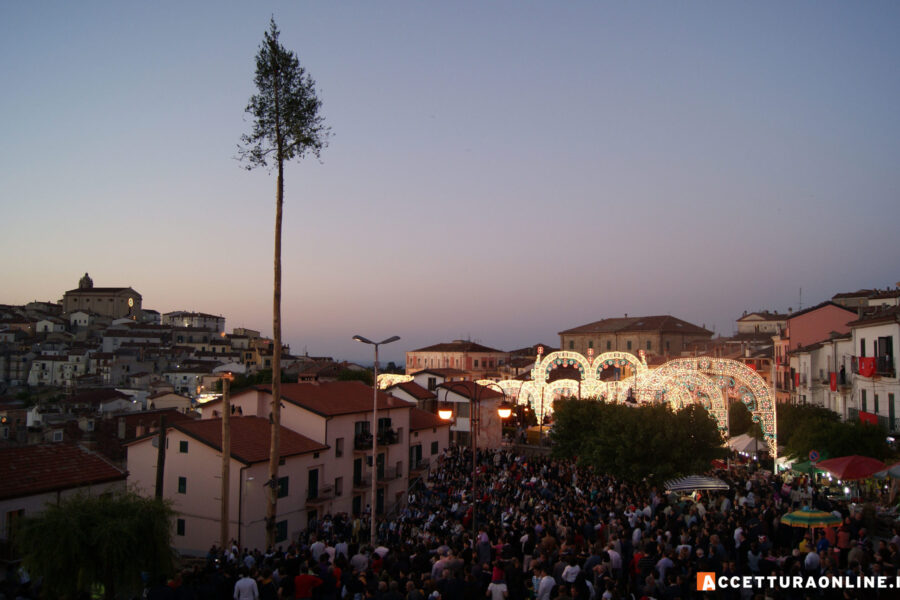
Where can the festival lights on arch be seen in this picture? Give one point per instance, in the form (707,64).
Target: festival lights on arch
(681,381)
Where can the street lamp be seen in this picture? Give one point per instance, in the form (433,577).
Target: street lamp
(360,338)
(445,413)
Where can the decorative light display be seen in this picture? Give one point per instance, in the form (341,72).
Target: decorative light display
(707,380)
(386,380)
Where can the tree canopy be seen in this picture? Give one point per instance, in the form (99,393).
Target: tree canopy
(632,443)
(88,540)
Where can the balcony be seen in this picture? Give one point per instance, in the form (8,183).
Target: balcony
(388,474)
(419,466)
(884,366)
(362,442)
(362,483)
(387,437)
(320,496)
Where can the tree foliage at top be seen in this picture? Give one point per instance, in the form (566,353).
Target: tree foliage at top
(833,438)
(633,443)
(87,540)
(740,420)
(792,416)
(285,109)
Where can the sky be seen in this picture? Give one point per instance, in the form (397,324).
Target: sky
(497,171)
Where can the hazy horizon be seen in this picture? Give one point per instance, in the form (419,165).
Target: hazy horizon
(499,172)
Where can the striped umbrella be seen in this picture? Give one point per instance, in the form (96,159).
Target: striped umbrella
(807,517)
(695,482)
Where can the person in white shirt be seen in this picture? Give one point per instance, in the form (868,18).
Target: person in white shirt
(245,588)
(545,585)
(497,590)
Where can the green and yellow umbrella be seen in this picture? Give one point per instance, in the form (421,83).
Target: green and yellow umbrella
(807,517)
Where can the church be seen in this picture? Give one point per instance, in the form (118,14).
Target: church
(114,302)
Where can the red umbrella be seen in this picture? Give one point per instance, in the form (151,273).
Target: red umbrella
(852,467)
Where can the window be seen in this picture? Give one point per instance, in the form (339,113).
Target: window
(876,403)
(339,447)
(863,400)
(476,363)
(628,344)
(862,346)
(434,448)
(280,531)
(283,487)
(338,486)
(183,446)
(182,485)
(462,409)
(361,427)
(609,344)
(384,423)
(179,527)
(432,383)
(571,344)
(649,344)
(590,343)
(57,436)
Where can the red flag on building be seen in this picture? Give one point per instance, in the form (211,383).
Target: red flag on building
(867,417)
(866,366)
(796,379)
(833,377)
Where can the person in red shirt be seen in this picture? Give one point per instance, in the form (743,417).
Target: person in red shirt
(304,584)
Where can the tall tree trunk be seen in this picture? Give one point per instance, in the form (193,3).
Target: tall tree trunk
(226,458)
(275,447)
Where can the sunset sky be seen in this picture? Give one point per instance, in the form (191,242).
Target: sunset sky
(499,171)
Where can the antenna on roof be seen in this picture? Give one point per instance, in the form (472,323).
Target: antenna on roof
(800,300)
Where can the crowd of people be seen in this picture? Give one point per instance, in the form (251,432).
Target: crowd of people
(544,528)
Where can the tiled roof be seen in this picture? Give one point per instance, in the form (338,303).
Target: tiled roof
(41,468)
(878,314)
(885,294)
(414,389)
(856,294)
(665,323)
(457,346)
(250,437)
(422,419)
(766,316)
(819,306)
(97,396)
(532,350)
(100,290)
(443,372)
(335,397)
(469,389)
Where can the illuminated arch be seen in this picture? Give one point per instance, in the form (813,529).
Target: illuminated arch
(386,380)
(561,358)
(616,359)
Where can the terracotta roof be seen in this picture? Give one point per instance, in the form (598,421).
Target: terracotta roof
(448,372)
(817,307)
(250,437)
(422,419)
(665,323)
(41,468)
(335,397)
(457,346)
(100,290)
(531,351)
(469,389)
(885,294)
(878,314)
(766,316)
(414,389)
(97,396)
(856,294)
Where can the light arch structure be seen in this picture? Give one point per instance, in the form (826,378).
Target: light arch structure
(702,379)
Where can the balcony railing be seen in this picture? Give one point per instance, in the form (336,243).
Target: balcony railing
(386,437)
(323,494)
(884,366)
(388,474)
(362,483)
(419,465)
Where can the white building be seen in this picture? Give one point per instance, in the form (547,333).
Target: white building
(876,335)
(183,318)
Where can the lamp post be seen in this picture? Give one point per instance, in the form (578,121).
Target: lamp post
(360,338)
(503,411)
